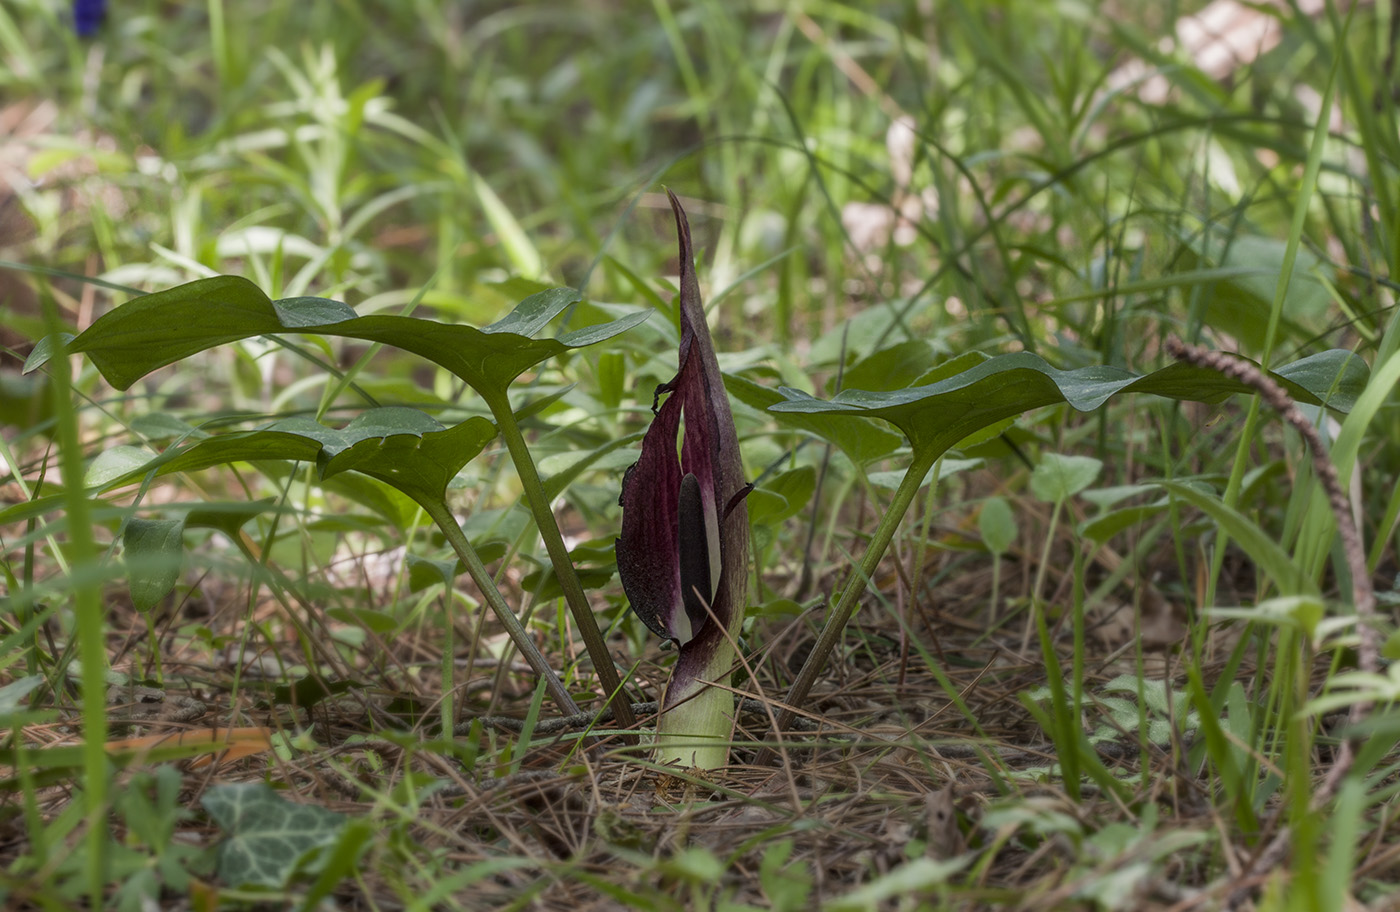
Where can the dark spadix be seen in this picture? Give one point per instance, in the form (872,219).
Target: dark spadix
(683,552)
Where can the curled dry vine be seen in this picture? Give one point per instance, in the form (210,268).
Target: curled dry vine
(1362,593)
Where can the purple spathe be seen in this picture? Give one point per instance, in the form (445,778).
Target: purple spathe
(682,556)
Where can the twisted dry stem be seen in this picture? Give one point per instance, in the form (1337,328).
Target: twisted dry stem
(1362,594)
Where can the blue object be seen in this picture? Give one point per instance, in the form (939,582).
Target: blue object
(88,16)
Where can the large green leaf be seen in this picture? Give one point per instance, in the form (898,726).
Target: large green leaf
(403,447)
(229,516)
(939,414)
(783,497)
(162,328)
(407,449)
(1241,302)
(891,368)
(862,441)
(240,446)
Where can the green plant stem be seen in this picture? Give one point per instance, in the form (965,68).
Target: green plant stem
(447,668)
(479,574)
(855,586)
(559,557)
(92,646)
(996,588)
(916,579)
(1064,726)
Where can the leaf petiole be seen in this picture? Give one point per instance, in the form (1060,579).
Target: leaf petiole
(574,596)
(840,616)
(477,570)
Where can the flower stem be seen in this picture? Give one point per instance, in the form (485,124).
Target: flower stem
(697,732)
(559,557)
(518,634)
(855,586)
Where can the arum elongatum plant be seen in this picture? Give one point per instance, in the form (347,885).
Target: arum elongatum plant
(683,554)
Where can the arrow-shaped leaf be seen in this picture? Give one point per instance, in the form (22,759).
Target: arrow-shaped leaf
(408,449)
(938,414)
(403,447)
(159,329)
(229,517)
(862,441)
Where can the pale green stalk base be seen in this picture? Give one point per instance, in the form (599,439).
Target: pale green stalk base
(684,733)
